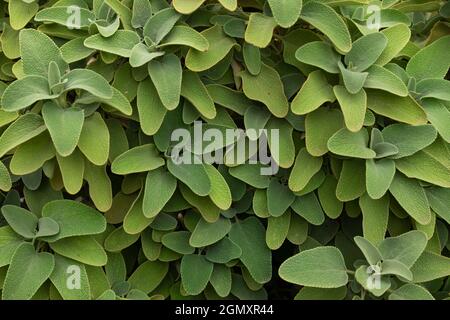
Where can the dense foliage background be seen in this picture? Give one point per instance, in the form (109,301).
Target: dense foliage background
(93,206)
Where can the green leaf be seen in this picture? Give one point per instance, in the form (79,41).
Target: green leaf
(310,293)
(425,166)
(397,37)
(331,205)
(250,174)
(308,207)
(26,273)
(135,221)
(160,185)
(383,79)
(37,51)
(220,192)
(47,227)
(411,291)
(64,126)
(140,55)
(277,230)
(100,189)
(9,242)
(281,142)
(107,29)
(365,51)
(185,36)
(314,92)
(249,235)
(160,24)
(74,219)
(209,211)
(142,10)
(120,43)
(409,139)
(431,61)
(406,248)
(379,176)
(206,233)
(18,132)
(411,196)
(439,199)
(150,108)
(10,42)
(24,92)
(353,80)
(83,249)
(252,58)
(22,221)
(433,88)
(193,89)
(21,12)
(402,109)
(89,81)
(166,75)
(438,114)
(351,184)
(193,175)
(351,144)
(65,16)
(267,88)
(223,251)
(259,29)
(187,7)
(138,159)
(94,139)
(195,273)
(397,268)
(5,178)
(118,239)
(219,46)
(430,266)
(122,11)
(66,272)
(326,20)
(230,5)
(228,98)
(305,167)
(320,125)
(118,102)
(72,171)
(221,280)
(286,12)
(322,267)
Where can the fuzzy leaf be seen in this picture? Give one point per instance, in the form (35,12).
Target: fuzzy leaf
(314,93)
(322,267)
(325,19)
(267,88)
(27,272)
(64,126)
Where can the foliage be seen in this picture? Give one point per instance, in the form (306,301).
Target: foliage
(92,90)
